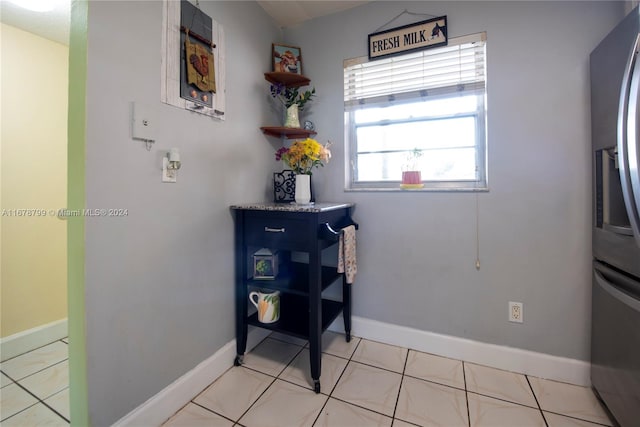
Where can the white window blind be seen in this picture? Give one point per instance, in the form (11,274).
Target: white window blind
(457,67)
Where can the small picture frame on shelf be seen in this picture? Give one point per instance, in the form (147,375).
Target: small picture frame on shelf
(286,59)
(265,264)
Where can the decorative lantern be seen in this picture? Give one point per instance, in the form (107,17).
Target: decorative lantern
(265,264)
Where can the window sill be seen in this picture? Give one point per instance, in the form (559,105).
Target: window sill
(416,190)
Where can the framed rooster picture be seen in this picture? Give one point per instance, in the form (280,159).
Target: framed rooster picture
(286,59)
(197,65)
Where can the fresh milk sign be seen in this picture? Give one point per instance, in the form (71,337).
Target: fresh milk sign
(412,37)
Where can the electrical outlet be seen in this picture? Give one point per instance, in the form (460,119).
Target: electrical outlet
(515,312)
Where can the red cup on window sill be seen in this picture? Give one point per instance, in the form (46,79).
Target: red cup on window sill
(411,180)
(411,177)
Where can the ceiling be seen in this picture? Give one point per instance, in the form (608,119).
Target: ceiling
(54,25)
(290,13)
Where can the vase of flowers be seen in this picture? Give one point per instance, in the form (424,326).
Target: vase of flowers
(293,101)
(302,157)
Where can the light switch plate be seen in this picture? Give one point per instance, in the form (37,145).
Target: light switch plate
(143,122)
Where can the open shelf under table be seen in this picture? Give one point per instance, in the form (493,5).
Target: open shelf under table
(294,279)
(294,316)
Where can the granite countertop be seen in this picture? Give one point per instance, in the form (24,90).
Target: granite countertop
(292,207)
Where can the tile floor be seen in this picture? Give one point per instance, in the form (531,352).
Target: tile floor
(35,387)
(365,383)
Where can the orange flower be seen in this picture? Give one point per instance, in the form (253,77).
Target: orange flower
(325,153)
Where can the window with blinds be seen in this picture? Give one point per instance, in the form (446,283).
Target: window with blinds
(432,101)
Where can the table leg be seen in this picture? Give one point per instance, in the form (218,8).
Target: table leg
(346,308)
(315,317)
(241,291)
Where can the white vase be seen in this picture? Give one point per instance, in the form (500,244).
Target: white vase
(303,189)
(292,117)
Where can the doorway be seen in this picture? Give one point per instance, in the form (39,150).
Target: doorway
(33,286)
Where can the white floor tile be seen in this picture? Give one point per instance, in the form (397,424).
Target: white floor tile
(426,403)
(5,380)
(193,415)
(337,413)
(299,371)
(381,355)
(499,384)
(60,402)
(566,399)
(334,343)
(488,412)
(284,404)
(271,356)
(36,415)
(372,388)
(441,370)
(234,392)
(555,420)
(36,360)
(288,338)
(14,399)
(400,423)
(49,381)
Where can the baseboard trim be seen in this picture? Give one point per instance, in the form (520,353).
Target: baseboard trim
(512,359)
(167,402)
(25,341)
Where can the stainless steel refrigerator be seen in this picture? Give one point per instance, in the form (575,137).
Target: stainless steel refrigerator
(615,107)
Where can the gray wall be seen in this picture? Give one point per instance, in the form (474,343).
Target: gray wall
(417,250)
(159,282)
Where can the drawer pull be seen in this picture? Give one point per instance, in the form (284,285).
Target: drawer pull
(274,230)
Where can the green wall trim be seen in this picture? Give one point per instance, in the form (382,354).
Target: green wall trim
(78,390)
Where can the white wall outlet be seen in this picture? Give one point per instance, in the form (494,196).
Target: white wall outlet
(515,312)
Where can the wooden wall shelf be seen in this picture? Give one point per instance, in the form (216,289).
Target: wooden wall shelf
(287,79)
(289,133)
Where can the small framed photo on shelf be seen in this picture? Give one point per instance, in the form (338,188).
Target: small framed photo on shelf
(286,59)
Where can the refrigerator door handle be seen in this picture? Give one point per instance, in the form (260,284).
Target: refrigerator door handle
(628,150)
(606,278)
(633,133)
